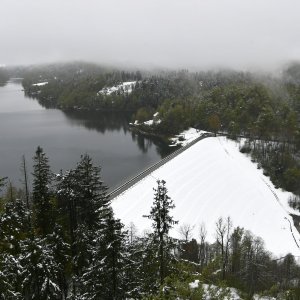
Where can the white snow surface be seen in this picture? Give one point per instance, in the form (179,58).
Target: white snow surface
(40,83)
(125,87)
(232,292)
(188,135)
(149,122)
(213,179)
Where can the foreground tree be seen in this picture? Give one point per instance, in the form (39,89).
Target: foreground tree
(41,194)
(162,223)
(104,277)
(40,270)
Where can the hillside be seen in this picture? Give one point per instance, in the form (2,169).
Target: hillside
(213,179)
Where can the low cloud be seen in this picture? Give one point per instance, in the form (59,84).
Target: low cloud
(151,33)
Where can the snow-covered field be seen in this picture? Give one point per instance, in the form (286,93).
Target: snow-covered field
(213,179)
(125,87)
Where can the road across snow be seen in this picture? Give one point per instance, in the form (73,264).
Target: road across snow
(213,179)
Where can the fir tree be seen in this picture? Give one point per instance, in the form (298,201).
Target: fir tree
(41,194)
(82,195)
(10,278)
(90,192)
(15,226)
(162,223)
(40,270)
(104,278)
(61,254)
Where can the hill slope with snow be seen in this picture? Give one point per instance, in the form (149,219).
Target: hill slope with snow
(213,179)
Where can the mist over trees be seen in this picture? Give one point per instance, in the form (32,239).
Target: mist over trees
(263,108)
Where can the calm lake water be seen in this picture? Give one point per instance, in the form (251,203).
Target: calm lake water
(64,136)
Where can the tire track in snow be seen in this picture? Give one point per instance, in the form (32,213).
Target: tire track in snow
(226,151)
(275,195)
(278,200)
(292,231)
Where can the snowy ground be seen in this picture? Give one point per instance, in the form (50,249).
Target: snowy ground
(186,137)
(232,293)
(213,179)
(124,87)
(40,83)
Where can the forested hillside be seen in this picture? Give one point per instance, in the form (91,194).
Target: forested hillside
(60,240)
(264,108)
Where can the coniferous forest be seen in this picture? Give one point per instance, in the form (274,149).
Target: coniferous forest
(262,107)
(60,240)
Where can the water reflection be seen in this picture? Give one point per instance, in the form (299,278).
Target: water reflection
(115,121)
(99,121)
(25,124)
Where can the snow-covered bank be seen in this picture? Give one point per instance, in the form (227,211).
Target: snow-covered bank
(213,179)
(124,87)
(40,83)
(186,137)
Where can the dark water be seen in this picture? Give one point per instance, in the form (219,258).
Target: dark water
(64,136)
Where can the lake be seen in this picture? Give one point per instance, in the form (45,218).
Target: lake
(64,136)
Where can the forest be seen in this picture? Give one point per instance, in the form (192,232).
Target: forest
(264,108)
(61,240)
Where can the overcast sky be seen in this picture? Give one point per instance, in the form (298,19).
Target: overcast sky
(151,33)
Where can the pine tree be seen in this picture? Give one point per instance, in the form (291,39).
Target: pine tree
(162,223)
(41,194)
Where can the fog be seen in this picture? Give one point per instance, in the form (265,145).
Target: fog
(151,33)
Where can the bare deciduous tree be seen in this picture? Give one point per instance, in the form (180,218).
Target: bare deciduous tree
(185,231)
(202,246)
(223,231)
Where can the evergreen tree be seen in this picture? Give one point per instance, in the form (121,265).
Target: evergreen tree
(61,255)
(10,277)
(92,199)
(41,194)
(15,226)
(2,184)
(104,278)
(162,223)
(40,270)
(82,195)
(93,231)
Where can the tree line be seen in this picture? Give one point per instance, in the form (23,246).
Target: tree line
(59,239)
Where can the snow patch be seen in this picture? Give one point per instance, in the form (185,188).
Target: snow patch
(149,123)
(194,284)
(186,137)
(124,87)
(40,83)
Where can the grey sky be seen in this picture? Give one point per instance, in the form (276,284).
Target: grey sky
(166,33)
